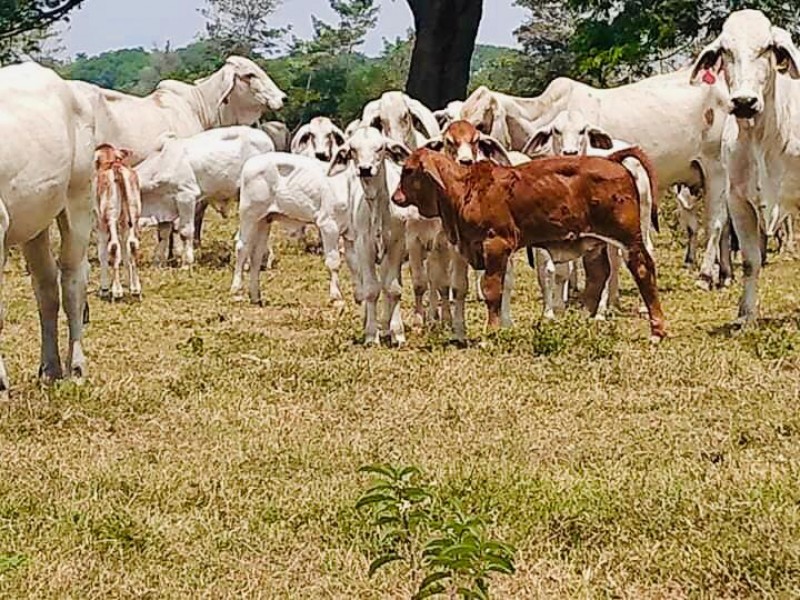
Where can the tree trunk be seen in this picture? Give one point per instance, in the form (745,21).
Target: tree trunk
(445,39)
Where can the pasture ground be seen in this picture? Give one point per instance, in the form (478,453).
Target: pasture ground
(214,450)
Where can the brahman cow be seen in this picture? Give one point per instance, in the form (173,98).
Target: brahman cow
(237,94)
(759,65)
(46,175)
(571,206)
(380,229)
(185,175)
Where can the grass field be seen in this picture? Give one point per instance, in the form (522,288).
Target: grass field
(214,449)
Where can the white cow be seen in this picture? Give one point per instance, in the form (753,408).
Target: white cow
(570,134)
(294,189)
(448,114)
(45,176)
(118,204)
(191,172)
(401,118)
(760,66)
(380,229)
(236,94)
(674,122)
(280,134)
(319,138)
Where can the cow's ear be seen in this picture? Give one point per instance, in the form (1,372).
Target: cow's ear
(430,168)
(710,59)
(397,152)
(338,136)
(436,144)
(125,155)
(493,150)
(537,142)
(599,139)
(786,54)
(339,161)
(301,139)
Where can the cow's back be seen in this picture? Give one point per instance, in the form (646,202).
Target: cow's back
(38,123)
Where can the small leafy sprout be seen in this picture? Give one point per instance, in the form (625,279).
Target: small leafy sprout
(462,560)
(401,508)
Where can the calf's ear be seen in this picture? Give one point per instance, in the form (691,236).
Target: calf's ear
(535,145)
(436,144)
(599,139)
(787,57)
(493,150)
(339,161)
(397,152)
(338,136)
(432,171)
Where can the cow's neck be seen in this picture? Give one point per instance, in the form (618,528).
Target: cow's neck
(208,96)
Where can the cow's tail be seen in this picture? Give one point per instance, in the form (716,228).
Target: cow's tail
(637,153)
(531,261)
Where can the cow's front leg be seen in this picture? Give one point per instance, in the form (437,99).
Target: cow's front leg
(419,277)
(745,221)
(390,279)
(496,252)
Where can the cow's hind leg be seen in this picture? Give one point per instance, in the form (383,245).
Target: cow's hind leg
(258,245)
(44,277)
(643,269)
(598,269)
(75,228)
(497,253)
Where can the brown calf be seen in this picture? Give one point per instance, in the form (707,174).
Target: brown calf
(570,206)
(118,205)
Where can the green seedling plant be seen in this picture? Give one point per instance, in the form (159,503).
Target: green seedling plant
(458,559)
(402,510)
(460,562)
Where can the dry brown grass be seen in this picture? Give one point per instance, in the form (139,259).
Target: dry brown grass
(214,450)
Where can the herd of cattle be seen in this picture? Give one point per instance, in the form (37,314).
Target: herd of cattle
(571,174)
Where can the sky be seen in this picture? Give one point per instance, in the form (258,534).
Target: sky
(101,25)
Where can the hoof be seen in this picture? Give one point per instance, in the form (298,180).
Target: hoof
(257,302)
(656,339)
(399,340)
(372,341)
(726,282)
(549,314)
(704,283)
(48,374)
(136,296)
(104,294)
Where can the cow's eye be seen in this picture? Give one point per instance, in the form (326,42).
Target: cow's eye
(248,76)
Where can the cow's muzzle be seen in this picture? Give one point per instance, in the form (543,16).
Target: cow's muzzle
(400,198)
(744,107)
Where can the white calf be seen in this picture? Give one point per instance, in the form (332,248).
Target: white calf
(295,189)
(185,175)
(380,226)
(118,205)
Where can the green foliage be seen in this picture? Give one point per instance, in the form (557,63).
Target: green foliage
(458,559)
(608,41)
(25,26)
(242,26)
